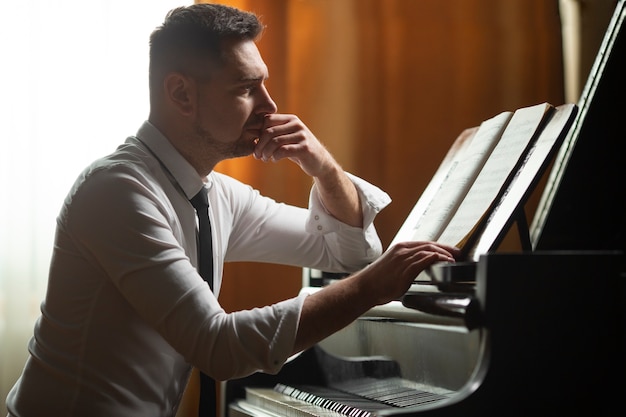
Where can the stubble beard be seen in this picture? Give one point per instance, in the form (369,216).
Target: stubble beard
(243,146)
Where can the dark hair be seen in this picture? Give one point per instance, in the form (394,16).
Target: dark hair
(191,37)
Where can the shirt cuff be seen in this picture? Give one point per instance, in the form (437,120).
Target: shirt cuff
(373,200)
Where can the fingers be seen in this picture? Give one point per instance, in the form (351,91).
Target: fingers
(408,259)
(282,136)
(390,276)
(415,257)
(418,256)
(423,261)
(268,143)
(444,253)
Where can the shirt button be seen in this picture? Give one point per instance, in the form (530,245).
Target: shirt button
(317,217)
(319,227)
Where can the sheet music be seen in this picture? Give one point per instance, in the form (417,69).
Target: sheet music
(462,171)
(406,231)
(536,159)
(492,178)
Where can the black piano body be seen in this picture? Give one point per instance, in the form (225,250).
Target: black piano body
(535,333)
(551,338)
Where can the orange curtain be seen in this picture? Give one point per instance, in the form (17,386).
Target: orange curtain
(387,86)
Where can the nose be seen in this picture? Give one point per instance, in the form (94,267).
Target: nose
(266,104)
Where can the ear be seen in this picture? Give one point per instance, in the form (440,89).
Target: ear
(180,92)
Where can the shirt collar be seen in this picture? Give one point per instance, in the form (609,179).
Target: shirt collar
(181,170)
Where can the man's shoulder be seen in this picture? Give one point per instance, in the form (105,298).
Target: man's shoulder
(126,166)
(223,182)
(128,159)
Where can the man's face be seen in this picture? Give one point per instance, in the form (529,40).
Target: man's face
(233,103)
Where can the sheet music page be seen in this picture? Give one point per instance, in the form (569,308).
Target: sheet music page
(461,172)
(534,164)
(494,174)
(460,144)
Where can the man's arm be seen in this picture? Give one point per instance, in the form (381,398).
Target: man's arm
(389,277)
(386,279)
(340,196)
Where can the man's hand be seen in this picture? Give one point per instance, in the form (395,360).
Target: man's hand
(286,136)
(391,275)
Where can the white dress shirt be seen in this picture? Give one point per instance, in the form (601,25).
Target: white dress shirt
(126,313)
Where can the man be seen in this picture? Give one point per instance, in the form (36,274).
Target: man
(127,314)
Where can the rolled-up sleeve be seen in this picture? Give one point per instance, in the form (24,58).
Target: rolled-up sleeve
(236,344)
(356,245)
(268,343)
(267,231)
(373,200)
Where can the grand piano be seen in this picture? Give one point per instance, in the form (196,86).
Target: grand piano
(538,332)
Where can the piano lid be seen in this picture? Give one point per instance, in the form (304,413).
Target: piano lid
(583,205)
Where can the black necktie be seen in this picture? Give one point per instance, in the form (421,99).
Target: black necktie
(205,247)
(208,401)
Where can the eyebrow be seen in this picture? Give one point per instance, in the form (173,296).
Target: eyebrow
(244,80)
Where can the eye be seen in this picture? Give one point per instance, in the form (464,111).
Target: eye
(248,89)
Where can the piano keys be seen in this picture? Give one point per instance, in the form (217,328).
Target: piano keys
(358,398)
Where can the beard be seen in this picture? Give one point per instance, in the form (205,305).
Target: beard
(243,146)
